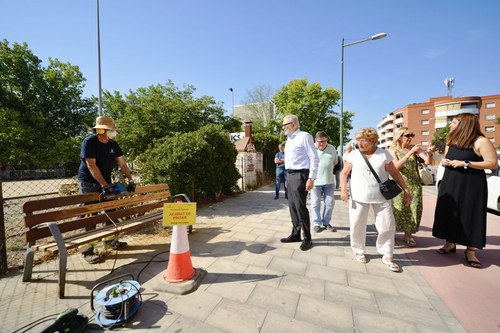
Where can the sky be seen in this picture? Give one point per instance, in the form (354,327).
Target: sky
(214,45)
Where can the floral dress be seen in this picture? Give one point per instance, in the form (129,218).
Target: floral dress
(408,217)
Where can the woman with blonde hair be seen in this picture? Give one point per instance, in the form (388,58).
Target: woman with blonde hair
(365,194)
(460,215)
(406,158)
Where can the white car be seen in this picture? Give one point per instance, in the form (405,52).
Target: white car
(493,181)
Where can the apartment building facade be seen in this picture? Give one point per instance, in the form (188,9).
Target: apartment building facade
(428,117)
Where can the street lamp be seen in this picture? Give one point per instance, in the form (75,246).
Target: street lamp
(232,97)
(99,59)
(374,37)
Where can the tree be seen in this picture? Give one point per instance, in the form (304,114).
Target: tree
(439,140)
(259,103)
(42,110)
(160,111)
(313,105)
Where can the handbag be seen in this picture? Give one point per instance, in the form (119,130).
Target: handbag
(425,175)
(389,188)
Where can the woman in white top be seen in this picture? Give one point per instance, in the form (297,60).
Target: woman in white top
(365,193)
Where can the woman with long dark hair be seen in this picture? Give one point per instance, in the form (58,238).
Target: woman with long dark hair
(460,216)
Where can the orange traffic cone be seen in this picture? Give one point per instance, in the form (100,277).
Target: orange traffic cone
(179,266)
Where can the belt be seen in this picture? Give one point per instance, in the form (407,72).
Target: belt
(297,171)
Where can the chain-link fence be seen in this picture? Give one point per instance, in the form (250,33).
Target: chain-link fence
(13,195)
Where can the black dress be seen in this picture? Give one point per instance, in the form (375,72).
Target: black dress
(460,215)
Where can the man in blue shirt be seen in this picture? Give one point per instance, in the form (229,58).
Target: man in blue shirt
(99,155)
(279,160)
(301,162)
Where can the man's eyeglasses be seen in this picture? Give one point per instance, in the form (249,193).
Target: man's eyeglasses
(285,125)
(321,141)
(409,135)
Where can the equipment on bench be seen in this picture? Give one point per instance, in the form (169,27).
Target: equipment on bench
(114,190)
(68,321)
(117,303)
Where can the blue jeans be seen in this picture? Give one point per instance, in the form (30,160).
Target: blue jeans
(281,178)
(325,191)
(88,187)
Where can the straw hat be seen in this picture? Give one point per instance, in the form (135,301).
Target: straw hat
(105,123)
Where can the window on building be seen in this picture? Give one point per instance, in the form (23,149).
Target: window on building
(490,105)
(424,143)
(425,133)
(425,122)
(425,111)
(489,129)
(489,117)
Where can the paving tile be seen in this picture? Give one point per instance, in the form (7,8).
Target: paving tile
(305,285)
(272,299)
(310,257)
(231,288)
(198,305)
(277,323)
(351,296)
(409,309)
(224,266)
(289,266)
(324,313)
(256,259)
(370,282)
(236,317)
(327,273)
(260,275)
(370,322)
(189,325)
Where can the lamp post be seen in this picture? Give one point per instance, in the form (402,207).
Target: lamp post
(374,37)
(232,97)
(99,59)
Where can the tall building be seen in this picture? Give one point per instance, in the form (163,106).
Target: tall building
(427,117)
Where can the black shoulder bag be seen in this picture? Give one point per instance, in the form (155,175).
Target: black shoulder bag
(389,188)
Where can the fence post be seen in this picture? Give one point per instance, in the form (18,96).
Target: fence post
(3,239)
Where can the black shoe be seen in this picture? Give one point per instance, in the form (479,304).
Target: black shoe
(306,244)
(317,228)
(286,197)
(329,227)
(291,239)
(276,198)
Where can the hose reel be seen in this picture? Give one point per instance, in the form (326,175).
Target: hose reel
(116,303)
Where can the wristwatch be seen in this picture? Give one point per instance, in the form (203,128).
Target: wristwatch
(466,164)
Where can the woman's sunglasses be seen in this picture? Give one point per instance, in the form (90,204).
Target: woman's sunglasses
(409,135)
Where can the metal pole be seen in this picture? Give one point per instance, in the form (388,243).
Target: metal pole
(232,97)
(99,59)
(3,239)
(341,148)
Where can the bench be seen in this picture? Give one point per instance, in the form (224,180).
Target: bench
(65,218)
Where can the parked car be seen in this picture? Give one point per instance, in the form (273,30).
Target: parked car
(493,181)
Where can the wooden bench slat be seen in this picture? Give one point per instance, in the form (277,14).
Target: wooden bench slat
(74,242)
(34,234)
(53,216)
(44,204)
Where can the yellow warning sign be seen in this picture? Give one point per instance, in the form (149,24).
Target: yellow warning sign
(183,213)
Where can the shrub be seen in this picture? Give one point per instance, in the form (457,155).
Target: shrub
(193,163)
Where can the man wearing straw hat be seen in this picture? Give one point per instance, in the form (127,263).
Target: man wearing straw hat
(99,155)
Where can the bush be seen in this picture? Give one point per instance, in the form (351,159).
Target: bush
(193,163)
(267,144)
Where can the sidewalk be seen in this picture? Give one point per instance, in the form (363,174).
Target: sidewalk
(254,282)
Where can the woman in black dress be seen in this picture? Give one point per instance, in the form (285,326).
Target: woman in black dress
(460,215)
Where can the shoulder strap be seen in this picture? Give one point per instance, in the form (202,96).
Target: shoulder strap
(370,166)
